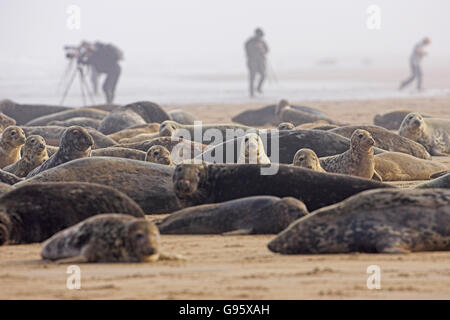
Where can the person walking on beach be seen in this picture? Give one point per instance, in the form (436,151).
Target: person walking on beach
(415,60)
(256,50)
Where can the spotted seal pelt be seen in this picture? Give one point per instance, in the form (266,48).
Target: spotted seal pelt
(181,116)
(392,120)
(9,178)
(76,143)
(387,140)
(132,114)
(375,221)
(23,113)
(396,166)
(149,184)
(4,188)
(199,133)
(34,153)
(159,154)
(266,115)
(34,212)
(139,138)
(68,114)
(441,182)
(77,121)
(308,159)
(6,121)
(196,184)
(11,141)
(285,143)
(432,133)
(356,161)
(252,215)
(53,135)
(119,152)
(134,131)
(252,150)
(105,238)
(284,112)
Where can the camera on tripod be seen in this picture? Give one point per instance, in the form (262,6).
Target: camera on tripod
(76,52)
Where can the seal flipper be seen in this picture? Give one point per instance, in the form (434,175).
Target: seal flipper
(238,232)
(376,176)
(170,256)
(438,174)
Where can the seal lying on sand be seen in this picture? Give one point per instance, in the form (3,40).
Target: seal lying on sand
(181,116)
(77,121)
(134,131)
(375,221)
(37,211)
(392,120)
(75,143)
(308,159)
(266,115)
(9,178)
(286,144)
(53,135)
(105,238)
(387,140)
(23,113)
(119,153)
(139,138)
(68,114)
(149,184)
(356,161)
(159,154)
(11,141)
(441,182)
(34,153)
(432,133)
(284,112)
(252,150)
(198,184)
(252,215)
(6,121)
(396,166)
(132,114)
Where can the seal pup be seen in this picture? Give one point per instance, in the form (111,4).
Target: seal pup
(252,150)
(308,159)
(432,133)
(23,113)
(285,113)
(441,182)
(374,221)
(76,143)
(34,153)
(119,153)
(149,184)
(252,215)
(68,114)
(6,121)
(396,166)
(392,120)
(77,121)
(387,140)
(356,161)
(137,113)
(11,141)
(134,131)
(37,211)
(105,238)
(196,184)
(159,154)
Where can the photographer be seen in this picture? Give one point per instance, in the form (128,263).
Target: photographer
(102,58)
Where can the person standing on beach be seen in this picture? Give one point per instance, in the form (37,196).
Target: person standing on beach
(415,60)
(256,50)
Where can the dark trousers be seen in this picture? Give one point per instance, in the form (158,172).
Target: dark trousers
(255,68)
(109,86)
(416,73)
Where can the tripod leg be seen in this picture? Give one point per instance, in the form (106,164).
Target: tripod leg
(68,87)
(82,88)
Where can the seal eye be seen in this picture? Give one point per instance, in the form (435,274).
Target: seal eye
(155,153)
(360,135)
(246,139)
(301,159)
(13,133)
(139,236)
(32,140)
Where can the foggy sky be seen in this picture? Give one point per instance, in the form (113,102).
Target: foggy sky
(214,31)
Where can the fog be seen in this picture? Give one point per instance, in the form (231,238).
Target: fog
(207,35)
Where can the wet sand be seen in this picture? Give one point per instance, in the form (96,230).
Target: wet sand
(241,267)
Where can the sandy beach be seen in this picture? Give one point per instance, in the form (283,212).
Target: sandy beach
(241,267)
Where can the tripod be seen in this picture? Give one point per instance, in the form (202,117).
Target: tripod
(84,87)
